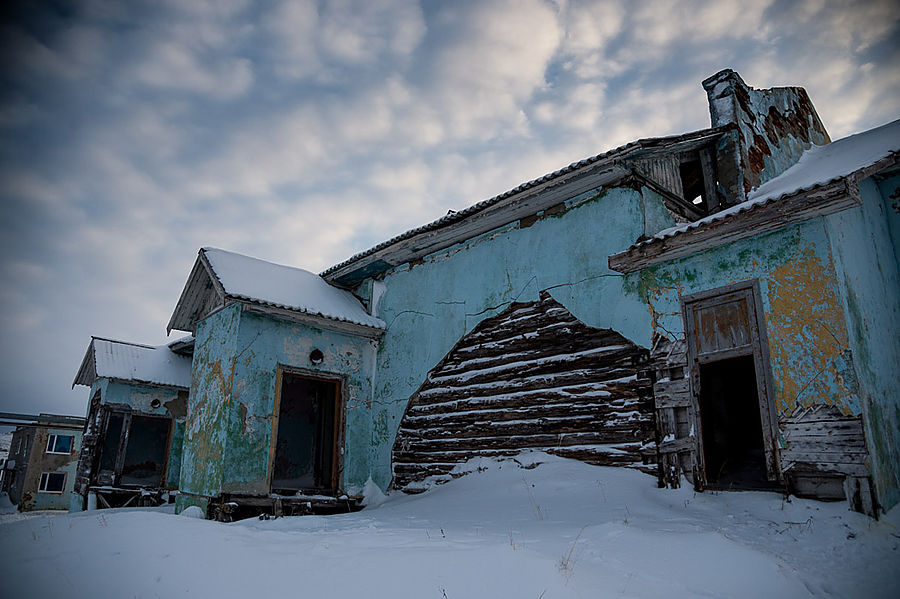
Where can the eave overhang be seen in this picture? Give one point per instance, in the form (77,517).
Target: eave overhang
(749,220)
(204,294)
(525,200)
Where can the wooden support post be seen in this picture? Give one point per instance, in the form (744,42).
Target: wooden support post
(710,189)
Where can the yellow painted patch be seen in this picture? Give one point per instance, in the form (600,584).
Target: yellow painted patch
(807,333)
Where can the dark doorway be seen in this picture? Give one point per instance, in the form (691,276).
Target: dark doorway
(728,362)
(133,450)
(733,445)
(145,456)
(305,448)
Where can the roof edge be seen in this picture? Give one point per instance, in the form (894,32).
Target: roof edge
(573,168)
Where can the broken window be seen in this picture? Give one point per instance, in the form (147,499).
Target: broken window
(305,446)
(112,436)
(60,444)
(52,482)
(145,454)
(133,450)
(698,179)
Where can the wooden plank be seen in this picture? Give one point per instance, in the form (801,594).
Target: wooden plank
(672,394)
(707,166)
(520,381)
(677,445)
(757,221)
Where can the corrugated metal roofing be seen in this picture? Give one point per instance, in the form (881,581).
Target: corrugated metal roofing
(255,280)
(818,167)
(108,358)
(453,217)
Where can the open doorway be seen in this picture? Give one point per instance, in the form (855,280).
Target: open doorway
(728,359)
(133,450)
(307,435)
(732,430)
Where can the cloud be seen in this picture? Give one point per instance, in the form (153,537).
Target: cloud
(173,65)
(303,132)
(341,34)
(495,59)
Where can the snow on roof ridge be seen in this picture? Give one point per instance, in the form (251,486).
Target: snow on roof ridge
(110,340)
(289,287)
(813,161)
(138,362)
(465,212)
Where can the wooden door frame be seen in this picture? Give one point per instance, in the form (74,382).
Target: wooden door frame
(337,462)
(758,348)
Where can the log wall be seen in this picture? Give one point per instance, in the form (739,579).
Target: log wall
(532,377)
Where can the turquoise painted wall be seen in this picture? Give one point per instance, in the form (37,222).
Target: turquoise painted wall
(805,322)
(831,296)
(430,305)
(203,450)
(226,447)
(864,244)
(889,189)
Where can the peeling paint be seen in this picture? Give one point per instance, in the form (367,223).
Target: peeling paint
(236,357)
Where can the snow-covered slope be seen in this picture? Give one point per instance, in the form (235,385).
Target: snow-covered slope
(562,529)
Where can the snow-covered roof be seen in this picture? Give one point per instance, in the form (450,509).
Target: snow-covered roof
(817,166)
(108,358)
(257,281)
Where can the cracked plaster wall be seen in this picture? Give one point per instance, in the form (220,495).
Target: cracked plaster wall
(429,305)
(864,244)
(831,299)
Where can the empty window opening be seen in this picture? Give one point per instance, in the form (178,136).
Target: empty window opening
(733,446)
(305,449)
(52,482)
(692,183)
(109,450)
(145,455)
(60,444)
(133,450)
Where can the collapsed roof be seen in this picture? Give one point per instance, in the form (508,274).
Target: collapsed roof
(829,172)
(634,159)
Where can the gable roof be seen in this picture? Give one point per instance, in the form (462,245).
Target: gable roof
(822,171)
(123,361)
(523,200)
(817,167)
(219,276)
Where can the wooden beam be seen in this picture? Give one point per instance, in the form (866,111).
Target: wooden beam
(757,220)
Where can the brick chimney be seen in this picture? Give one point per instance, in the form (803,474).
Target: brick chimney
(774,126)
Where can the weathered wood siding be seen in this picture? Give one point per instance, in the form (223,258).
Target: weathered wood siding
(532,377)
(822,454)
(677,415)
(825,457)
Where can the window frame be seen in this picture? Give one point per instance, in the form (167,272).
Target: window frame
(45,480)
(53,439)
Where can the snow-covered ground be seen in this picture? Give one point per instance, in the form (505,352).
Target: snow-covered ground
(562,529)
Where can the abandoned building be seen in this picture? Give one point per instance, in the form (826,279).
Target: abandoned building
(131,454)
(721,305)
(39,473)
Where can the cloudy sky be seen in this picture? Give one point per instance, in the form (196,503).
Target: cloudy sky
(133,133)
